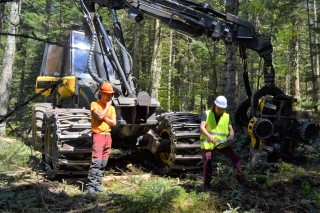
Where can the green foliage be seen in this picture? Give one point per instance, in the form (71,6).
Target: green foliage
(253,7)
(289,171)
(161,195)
(309,193)
(13,154)
(153,196)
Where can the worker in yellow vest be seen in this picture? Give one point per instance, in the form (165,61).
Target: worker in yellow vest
(217,134)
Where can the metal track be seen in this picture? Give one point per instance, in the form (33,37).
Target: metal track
(67,144)
(38,111)
(179,134)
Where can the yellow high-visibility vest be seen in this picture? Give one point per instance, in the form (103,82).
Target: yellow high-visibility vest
(219,132)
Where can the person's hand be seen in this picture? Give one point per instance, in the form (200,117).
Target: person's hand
(212,139)
(109,103)
(230,139)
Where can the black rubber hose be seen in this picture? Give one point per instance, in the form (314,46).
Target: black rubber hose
(94,75)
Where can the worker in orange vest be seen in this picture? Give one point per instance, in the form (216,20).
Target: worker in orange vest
(103,118)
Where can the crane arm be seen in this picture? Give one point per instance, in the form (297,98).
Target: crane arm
(196,19)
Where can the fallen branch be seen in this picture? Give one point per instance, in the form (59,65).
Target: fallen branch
(82,184)
(124,177)
(85,209)
(22,168)
(12,172)
(129,184)
(288,207)
(44,203)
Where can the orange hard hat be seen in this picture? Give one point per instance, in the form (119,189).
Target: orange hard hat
(106,88)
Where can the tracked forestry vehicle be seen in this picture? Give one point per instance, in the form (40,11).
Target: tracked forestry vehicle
(72,72)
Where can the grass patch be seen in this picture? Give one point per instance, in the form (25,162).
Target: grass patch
(13,154)
(159,194)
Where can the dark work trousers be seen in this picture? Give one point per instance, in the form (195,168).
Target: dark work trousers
(207,163)
(100,154)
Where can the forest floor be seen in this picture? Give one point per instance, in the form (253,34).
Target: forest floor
(135,187)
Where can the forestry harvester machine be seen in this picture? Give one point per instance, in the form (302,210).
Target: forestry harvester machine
(72,72)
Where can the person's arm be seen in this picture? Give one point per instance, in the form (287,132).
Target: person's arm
(111,122)
(205,132)
(110,119)
(231,133)
(101,114)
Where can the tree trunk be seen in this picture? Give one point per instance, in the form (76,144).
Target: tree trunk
(314,76)
(317,52)
(294,50)
(22,66)
(241,95)
(229,90)
(213,79)
(136,51)
(184,90)
(1,19)
(8,60)
(288,81)
(194,70)
(143,60)
(185,80)
(48,16)
(297,94)
(316,36)
(170,69)
(156,62)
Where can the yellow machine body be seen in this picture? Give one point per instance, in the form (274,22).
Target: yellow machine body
(253,138)
(65,89)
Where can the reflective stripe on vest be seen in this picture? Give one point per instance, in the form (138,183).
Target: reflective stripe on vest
(219,132)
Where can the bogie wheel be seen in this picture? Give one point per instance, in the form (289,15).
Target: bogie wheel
(163,157)
(38,111)
(179,147)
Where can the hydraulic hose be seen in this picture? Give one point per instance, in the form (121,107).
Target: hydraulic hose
(89,61)
(114,56)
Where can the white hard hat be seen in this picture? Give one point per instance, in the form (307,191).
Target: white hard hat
(221,101)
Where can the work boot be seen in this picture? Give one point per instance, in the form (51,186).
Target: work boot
(100,189)
(91,190)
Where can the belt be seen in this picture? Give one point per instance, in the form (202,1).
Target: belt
(104,133)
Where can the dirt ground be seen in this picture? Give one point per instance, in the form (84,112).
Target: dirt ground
(268,188)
